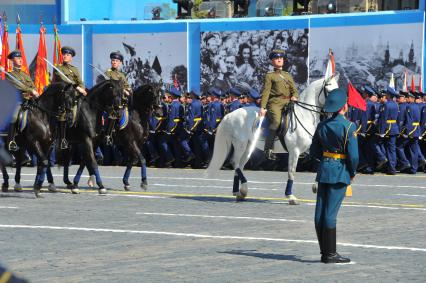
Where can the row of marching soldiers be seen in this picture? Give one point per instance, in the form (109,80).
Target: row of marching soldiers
(185,134)
(392,131)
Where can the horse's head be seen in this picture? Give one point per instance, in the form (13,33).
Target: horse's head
(327,86)
(57,96)
(108,94)
(147,98)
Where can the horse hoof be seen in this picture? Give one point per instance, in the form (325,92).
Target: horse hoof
(91,181)
(17,188)
(70,186)
(38,195)
(102,191)
(144,186)
(75,191)
(52,188)
(292,200)
(127,188)
(4,188)
(37,191)
(244,190)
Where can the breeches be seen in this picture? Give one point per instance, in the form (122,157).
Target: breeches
(274,115)
(329,200)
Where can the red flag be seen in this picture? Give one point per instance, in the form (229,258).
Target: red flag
(176,82)
(41,78)
(405,87)
(20,47)
(413,87)
(355,99)
(57,54)
(5,63)
(420,83)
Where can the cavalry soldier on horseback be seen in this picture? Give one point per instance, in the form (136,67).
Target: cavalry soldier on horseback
(114,73)
(70,72)
(278,91)
(22,81)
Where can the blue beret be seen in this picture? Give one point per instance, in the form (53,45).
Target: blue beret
(276,53)
(116,55)
(254,94)
(68,50)
(14,54)
(215,91)
(174,91)
(235,91)
(370,91)
(336,99)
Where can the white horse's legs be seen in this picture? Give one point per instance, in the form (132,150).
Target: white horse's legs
(239,161)
(293,157)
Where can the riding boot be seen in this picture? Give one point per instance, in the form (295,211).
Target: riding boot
(320,240)
(62,135)
(330,254)
(269,145)
(12,146)
(108,135)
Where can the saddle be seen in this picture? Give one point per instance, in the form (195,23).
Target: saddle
(23,114)
(286,122)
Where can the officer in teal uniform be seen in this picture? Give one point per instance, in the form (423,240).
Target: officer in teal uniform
(335,145)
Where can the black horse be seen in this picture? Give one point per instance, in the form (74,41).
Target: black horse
(36,137)
(86,130)
(132,131)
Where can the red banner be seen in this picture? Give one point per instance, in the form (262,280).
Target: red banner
(41,78)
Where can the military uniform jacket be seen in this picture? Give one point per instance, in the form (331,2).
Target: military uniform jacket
(278,89)
(116,75)
(194,116)
(388,115)
(70,72)
(402,107)
(175,116)
(335,135)
(215,113)
(28,85)
(423,122)
(412,120)
(368,118)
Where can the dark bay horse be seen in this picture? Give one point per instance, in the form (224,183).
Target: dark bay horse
(86,130)
(36,136)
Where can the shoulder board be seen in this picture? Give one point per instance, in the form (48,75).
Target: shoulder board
(109,70)
(270,72)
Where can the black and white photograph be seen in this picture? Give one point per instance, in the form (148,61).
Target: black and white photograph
(148,57)
(368,55)
(231,57)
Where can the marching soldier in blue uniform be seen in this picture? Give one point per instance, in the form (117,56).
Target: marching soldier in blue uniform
(412,133)
(402,139)
(194,125)
(388,129)
(366,134)
(420,104)
(215,113)
(164,134)
(335,145)
(422,137)
(234,95)
(6,276)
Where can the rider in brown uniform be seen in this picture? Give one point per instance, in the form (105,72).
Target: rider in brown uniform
(278,91)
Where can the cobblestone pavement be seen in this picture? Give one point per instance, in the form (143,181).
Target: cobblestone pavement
(188,228)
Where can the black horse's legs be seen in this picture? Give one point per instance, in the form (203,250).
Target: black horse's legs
(18,187)
(91,164)
(5,185)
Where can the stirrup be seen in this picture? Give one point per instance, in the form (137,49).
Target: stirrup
(64,144)
(108,140)
(269,154)
(13,146)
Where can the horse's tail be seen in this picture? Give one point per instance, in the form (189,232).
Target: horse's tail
(222,147)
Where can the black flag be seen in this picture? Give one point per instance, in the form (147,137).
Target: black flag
(156,66)
(129,49)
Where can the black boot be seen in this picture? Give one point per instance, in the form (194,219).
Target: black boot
(269,145)
(329,242)
(62,135)
(12,146)
(320,240)
(108,134)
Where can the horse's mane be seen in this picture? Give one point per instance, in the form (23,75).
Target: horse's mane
(54,88)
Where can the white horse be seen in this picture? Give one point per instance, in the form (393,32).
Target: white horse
(237,130)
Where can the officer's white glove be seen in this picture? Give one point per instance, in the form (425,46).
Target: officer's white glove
(81,90)
(35,93)
(362,135)
(405,136)
(382,135)
(262,112)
